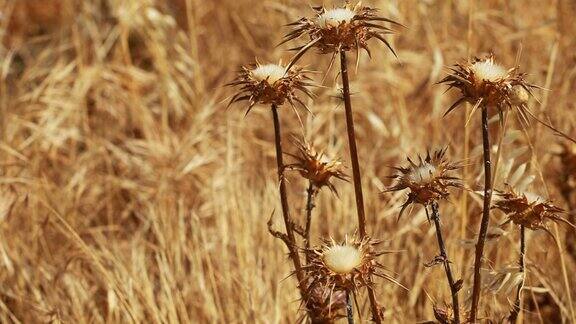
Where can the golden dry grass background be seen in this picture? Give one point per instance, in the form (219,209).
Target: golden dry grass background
(128,193)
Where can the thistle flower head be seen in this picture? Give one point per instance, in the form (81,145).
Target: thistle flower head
(344,266)
(483,80)
(271,84)
(527,209)
(345,28)
(428,180)
(317,167)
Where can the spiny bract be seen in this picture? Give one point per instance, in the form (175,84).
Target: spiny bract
(316,166)
(427,181)
(345,28)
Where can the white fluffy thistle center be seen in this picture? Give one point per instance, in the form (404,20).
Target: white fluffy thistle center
(422,174)
(489,71)
(342,259)
(270,72)
(334,17)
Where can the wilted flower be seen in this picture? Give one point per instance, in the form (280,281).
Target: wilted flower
(484,81)
(316,166)
(345,28)
(427,181)
(271,84)
(528,209)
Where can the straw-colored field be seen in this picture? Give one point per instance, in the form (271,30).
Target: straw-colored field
(129,193)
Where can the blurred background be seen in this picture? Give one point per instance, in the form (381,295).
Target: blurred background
(129,193)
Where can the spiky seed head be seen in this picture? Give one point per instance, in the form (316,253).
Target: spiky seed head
(483,80)
(527,209)
(428,180)
(485,83)
(347,265)
(344,28)
(271,84)
(317,167)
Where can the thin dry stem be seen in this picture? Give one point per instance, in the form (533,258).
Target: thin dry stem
(292,247)
(310,195)
(444,256)
(516,309)
(485,216)
(356,172)
(352,143)
(349,309)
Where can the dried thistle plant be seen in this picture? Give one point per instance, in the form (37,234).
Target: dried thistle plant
(486,84)
(337,31)
(346,266)
(528,210)
(341,29)
(428,182)
(271,84)
(319,170)
(317,167)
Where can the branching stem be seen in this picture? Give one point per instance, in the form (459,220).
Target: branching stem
(290,238)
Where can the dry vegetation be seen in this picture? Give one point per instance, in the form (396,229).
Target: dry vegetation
(129,194)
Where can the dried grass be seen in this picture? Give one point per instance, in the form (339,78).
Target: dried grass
(127,194)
